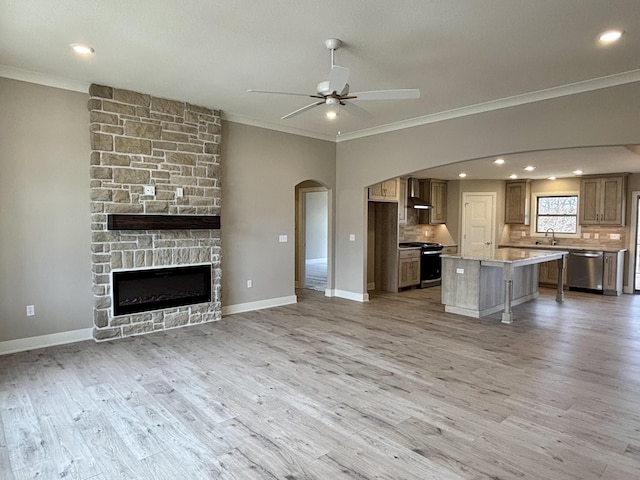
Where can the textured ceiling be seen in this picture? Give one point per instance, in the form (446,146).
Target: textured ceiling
(458,52)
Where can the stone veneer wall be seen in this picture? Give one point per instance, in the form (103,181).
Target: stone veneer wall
(139,140)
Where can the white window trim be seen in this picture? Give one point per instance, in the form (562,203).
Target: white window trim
(534,214)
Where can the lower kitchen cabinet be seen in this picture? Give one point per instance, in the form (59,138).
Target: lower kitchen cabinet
(408,268)
(548,274)
(612,275)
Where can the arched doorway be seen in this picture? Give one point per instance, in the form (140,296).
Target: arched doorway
(312,236)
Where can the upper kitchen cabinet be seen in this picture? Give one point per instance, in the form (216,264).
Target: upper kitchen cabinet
(516,205)
(603,200)
(435,192)
(388,191)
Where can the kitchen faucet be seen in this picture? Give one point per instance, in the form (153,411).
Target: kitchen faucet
(553,235)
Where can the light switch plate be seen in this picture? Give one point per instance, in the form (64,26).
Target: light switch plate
(149,190)
(614,236)
(282,239)
(352,237)
(459,270)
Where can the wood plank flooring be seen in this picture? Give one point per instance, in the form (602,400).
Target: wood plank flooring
(332,389)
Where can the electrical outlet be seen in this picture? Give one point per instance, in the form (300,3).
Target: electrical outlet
(179,192)
(249,283)
(596,236)
(352,237)
(31,310)
(523,233)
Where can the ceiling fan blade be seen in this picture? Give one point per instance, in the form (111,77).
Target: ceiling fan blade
(338,78)
(303,109)
(356,111)
(402,94)
(285,93)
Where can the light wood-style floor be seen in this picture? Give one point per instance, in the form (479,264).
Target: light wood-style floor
(333,389)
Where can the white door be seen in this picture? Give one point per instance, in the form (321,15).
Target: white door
(478,223)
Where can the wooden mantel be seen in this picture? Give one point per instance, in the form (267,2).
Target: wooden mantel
(117,221)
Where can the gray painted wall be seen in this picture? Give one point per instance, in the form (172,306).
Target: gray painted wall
(260,170)
(44,210)
(602,117)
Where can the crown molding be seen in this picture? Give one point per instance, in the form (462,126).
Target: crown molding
(232,117)
(531,97)
(617,79)
(43,79)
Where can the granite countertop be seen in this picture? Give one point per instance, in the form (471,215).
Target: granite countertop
(562,247)
(514,255)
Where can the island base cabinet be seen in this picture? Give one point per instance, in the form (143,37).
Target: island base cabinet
(475,290)
(612,276)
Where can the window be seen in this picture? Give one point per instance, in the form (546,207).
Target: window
(558,212)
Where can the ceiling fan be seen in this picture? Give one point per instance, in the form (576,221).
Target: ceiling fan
(334,93)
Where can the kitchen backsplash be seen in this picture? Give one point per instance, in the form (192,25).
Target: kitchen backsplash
(520,235)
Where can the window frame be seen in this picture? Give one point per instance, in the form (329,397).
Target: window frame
(534,214)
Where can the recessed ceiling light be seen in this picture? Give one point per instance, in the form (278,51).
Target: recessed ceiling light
(610,36)
(499,161)
(82,48)
(529,168)
(462,175)
(513,176)
(577,172)
(552,178)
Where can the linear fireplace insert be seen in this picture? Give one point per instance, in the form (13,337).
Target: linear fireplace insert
(153,289)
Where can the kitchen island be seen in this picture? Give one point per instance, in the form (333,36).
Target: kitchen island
(479,285)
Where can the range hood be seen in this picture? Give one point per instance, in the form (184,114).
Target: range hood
(413,186)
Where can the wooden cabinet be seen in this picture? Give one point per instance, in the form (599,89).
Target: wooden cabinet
(388,191)
(435,192)
(516,204)
(408,268)
(603,200)
(548,274)
(612,275)
(402,201)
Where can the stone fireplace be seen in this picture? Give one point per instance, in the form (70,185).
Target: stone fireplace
(152,157)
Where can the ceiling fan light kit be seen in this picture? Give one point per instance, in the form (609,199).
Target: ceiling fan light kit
(334,93)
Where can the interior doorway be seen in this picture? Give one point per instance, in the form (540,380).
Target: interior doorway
(478,223)
(312,236)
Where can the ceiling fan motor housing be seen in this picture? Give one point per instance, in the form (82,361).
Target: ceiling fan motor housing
(323,89)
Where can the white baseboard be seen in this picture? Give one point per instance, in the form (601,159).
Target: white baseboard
(358,297)
(259,305)
(31,343)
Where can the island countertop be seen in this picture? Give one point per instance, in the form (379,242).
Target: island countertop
(521,256)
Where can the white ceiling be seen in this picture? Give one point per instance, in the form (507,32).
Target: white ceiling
(459,53)
(557,163)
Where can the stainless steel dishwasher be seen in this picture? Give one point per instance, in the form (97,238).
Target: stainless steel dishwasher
(585,269)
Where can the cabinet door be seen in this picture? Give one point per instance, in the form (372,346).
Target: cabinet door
(602,201)
(385,191)
(434,192)
(612,275)
(590,201)
(611,201)
(517,202)
(415,271)
(402,201)
(439,200)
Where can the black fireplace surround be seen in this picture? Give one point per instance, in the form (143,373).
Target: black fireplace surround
(153,289)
